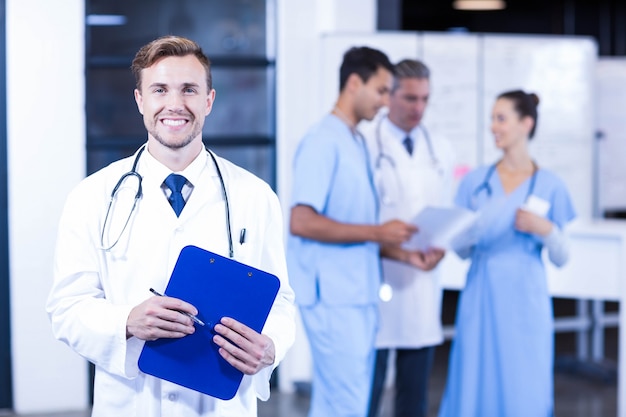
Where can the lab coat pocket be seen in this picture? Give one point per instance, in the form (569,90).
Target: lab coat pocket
(243,245)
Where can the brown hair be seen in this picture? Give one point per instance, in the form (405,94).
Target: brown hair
(166,46)
(525,104)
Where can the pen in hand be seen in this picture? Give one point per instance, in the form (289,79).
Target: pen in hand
(191,316)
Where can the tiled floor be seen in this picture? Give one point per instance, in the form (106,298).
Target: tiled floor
(580,391)
(575,396)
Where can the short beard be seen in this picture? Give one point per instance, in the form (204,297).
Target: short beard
(177,145)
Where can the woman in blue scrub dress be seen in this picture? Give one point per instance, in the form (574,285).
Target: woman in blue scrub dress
(501,362)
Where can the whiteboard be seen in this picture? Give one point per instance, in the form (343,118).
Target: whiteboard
(561,71)
(611,122)
(453,109)
(469,70)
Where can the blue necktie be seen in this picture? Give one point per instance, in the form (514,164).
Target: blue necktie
(175,183)
(408,144)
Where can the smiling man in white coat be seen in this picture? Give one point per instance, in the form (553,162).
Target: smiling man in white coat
(170,194)
(413,170)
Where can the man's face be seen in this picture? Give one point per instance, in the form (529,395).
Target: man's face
(373,94)
(174,100)
(408,102)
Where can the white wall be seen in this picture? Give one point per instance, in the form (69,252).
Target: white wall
(46,157)
(301,25)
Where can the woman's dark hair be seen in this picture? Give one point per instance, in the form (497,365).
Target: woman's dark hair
(525,104)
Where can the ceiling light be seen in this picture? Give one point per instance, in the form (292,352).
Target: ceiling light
(479,4)
(106,20)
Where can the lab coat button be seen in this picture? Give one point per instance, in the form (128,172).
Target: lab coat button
(172,396)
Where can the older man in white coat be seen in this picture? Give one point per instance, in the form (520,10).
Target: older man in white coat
(108,256)
(413,170)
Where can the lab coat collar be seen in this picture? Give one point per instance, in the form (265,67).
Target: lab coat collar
(198,173)
(399,134)
(158,171)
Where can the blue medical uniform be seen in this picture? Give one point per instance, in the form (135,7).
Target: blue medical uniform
(501,362)
(336,284)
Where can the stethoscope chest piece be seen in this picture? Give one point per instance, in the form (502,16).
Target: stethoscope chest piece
(385,292)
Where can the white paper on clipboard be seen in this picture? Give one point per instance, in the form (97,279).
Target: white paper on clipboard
(443,228)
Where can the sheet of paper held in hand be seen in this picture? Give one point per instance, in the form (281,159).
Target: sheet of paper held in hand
(443,228)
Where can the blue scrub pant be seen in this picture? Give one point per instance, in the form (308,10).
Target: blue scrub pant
(342,349)
(413,368)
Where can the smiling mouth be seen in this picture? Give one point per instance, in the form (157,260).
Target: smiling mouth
(173,122)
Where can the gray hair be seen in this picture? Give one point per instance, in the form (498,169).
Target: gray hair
(410,68)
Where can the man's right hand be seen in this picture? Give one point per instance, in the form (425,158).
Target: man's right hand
(160,317)
(395,232)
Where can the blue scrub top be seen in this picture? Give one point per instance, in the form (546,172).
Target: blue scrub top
(331,173)
(482,190)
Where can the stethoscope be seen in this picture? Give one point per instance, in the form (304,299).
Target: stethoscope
(385,291)
(385,162)
(134,174)
(383,157)
(485,186)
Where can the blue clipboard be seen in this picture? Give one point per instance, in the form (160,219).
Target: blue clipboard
(217,287)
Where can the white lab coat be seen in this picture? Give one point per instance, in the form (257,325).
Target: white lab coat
(406,184)
(94,290)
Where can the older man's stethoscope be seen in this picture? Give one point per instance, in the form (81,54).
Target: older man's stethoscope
(385,163)
(383,157)
(134,174)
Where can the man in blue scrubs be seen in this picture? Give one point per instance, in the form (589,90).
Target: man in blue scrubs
(335,240)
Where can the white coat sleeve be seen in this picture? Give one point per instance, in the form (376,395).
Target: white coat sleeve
(280,325)
(557,245)
(80,314)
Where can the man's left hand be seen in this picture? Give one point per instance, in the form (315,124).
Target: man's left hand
(242,347)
